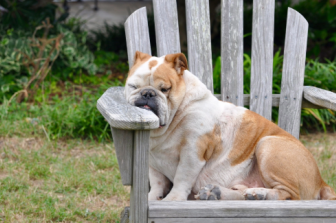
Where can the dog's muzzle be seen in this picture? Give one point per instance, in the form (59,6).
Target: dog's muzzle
(147,101)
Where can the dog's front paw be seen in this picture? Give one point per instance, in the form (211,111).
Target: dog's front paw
(255,194)
(154,197)
(209,192)
(175,197)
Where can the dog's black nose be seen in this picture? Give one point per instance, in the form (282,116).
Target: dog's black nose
(148,94)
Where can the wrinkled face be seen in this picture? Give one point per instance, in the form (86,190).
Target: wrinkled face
(156,84)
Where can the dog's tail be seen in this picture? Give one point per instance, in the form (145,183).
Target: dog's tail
(327,193)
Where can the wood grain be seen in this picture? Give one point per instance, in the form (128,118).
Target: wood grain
(242,209)
(120,114)
(232,52)
(293,73)
(137,34)
(123,144)
(326,99)
(275,101)
(139,191)
(262,57)
(166,27)
(242,220)
(199,40)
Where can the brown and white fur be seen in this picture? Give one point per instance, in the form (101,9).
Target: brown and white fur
(203,141)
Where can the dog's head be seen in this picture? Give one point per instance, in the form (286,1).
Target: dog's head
(156,84)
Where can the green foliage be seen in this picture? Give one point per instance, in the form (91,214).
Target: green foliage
(217,76)
(25,14)
(61,112)
(74,54)
(13,75)
(110,62)
(20,57)
(101,39)
(320,14)
(321,75)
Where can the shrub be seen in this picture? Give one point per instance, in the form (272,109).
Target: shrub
(26,15)
(112,38)
(59,112)
(26,61)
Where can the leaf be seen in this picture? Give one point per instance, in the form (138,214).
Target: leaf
(74,64)
(4,41)
(92,69)
(5,88)
(69,51)
(316,114)
(83,61)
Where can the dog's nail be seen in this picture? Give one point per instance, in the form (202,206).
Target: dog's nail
(212,197)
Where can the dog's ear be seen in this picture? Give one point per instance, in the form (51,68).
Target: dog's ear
(179,62)
(140,56)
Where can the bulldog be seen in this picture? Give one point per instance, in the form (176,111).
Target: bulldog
(214,150)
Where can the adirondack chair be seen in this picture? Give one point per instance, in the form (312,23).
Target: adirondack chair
(131,125)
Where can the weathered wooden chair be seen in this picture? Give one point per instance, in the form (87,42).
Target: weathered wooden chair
(131,125)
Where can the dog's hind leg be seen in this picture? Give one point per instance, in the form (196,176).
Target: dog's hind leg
(287,169)
(267,194)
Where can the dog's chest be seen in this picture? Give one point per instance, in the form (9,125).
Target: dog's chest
(165,160)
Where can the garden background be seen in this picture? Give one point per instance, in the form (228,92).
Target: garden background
(57,161)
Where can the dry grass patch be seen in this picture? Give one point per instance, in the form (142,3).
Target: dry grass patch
(63,181)
(323,148)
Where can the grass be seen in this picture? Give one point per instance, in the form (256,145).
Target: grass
(58,164)
(59,181)
(79,180)
(323,148)
(57,161)
(61,110)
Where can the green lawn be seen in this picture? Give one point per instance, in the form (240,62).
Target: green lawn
(71,180)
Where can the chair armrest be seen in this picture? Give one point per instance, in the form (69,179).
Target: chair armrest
(120,114)
(317,96)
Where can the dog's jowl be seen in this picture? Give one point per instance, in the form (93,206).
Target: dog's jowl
(213,150)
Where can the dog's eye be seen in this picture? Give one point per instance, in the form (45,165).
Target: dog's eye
(132,86)
(164,90)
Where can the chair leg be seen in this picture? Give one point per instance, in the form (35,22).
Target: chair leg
(124,215)
(139,192)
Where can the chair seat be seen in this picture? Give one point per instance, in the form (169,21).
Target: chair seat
(242,211)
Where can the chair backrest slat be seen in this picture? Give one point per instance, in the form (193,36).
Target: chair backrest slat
(262,57)
(137,34)
(293,72)
(199,40)
(200,57)
(166,27)
(232,86)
